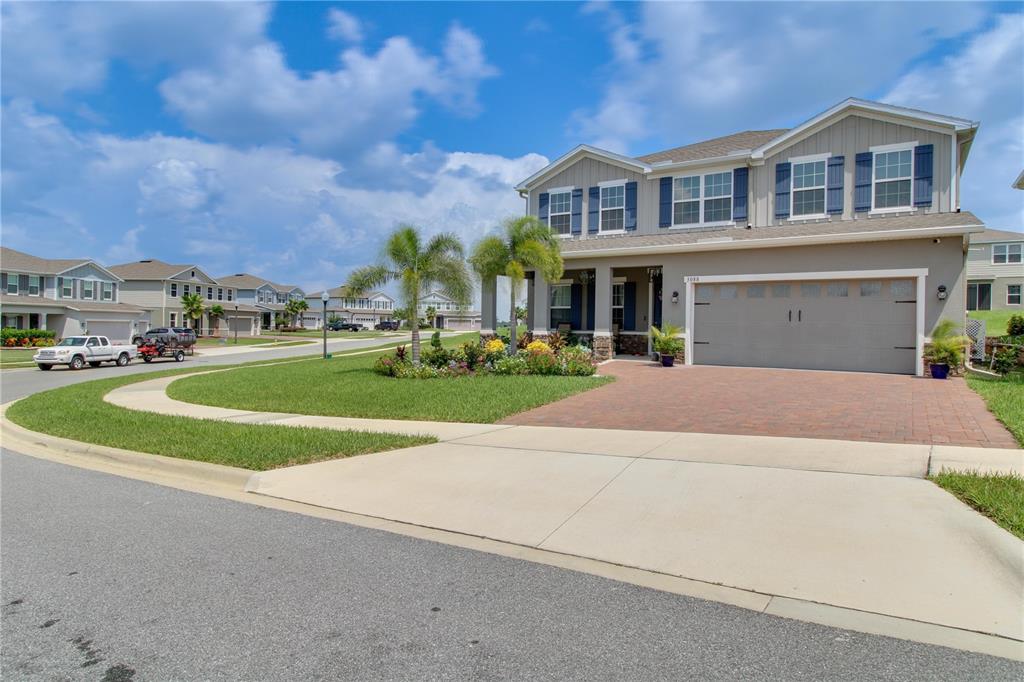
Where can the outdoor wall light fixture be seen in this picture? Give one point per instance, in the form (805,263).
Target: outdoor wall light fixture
(675,297)
(942,292)
(585,277)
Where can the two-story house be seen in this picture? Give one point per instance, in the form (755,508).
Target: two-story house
(65,296)
(267,298)
(995,271)
(448,313)
(158,287)
(837,244)
(367,309)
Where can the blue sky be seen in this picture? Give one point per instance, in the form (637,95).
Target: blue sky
(286,139)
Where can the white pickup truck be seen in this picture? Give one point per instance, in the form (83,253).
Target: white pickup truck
(76,351)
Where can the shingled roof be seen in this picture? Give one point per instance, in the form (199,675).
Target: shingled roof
(989,236)
(713,148)
(148,269)
(18,261)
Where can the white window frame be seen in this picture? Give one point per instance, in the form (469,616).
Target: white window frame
(1019,295)
(39,285)
(185,289)
(702,194)
(621,285)
(66,284)
(220,294)
(209,293)
(107,291)
(173,290)
(1006,253)
(811,158)
(551,296)
(885,149)
(91,296)
(12,278)
(610,184)
(230,294)
(551,209)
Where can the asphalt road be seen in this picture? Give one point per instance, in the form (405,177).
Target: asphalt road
(18,383)
(106,578)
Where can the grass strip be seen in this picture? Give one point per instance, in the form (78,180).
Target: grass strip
(998,496)
(348,387)
(79,412)
(1004,397)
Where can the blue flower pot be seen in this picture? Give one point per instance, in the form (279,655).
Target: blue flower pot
(667,360)
(939,371)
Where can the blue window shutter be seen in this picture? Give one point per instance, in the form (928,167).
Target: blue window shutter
(594,210)
(591,295)
(665,203)
(783,171)
(739,194)
(576,306)
(834,184)
(630,213)
(923,175)
(542,212)
(862,182)
(577,211)
(629,306)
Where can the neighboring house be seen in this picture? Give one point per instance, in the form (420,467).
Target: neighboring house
(995,271)
(838,244)
(66,296)
(450,315)
(158,287)
(368,309)
(268,298)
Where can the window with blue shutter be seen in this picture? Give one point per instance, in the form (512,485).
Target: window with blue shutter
(542,211)
(594,210)
(923,175)
(665,203)
(576,307)
(834,200)
(629,307)
(862,182)
(577,211)
(782,183)
(739,194)
(630,223)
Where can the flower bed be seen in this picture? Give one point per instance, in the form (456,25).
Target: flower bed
(469,359)
(26,338)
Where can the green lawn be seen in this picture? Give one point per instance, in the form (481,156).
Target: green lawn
(79,412)
(1005,399)
(215,341)
(999,497)
(16,357)
(318,334)
(995,320)
(347,386)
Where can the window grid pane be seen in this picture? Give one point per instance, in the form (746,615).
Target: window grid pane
(618,295)
(561,296)
(686,213)
(807,175)
(561,202)
(613,197)
(612,219)
(561,223)
(809,202)
(718,185)
(892,194)
(717,210)
(684,189)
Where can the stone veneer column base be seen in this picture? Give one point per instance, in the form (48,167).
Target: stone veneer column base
(487,335)
(603,348)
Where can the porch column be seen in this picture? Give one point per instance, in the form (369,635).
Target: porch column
(603,312)
(540,316)
(42,320)
(488,306)
(531,301)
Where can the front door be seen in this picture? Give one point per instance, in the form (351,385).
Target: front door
(979,296)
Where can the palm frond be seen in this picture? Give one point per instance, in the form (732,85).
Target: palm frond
(368,277)
(490,257)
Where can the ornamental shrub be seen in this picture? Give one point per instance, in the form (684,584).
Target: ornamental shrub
(472,354)
(435,340)
(18,334)
(1015,325)
(543,362)
(511,365)
(1004,360)
(388,365)
(538,347)
(435,357)
(577,361)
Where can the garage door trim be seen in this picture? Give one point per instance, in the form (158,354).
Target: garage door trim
(918,273)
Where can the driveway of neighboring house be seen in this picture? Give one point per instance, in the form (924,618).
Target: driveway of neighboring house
(885,408)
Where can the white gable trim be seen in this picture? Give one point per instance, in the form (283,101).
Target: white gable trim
(582,151)
(86,262)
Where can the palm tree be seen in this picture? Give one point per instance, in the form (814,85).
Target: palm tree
(215,312)
(527,243)
(192,307)
(430,313)
(417,267)
(295,307)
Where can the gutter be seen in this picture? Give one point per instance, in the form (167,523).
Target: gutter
(774,242)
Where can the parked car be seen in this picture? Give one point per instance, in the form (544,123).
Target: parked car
(76,351)
(339,326)
(387,326)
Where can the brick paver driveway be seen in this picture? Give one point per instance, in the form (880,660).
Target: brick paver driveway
(776,402)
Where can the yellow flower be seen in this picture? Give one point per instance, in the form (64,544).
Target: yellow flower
(495,346)
(538,347)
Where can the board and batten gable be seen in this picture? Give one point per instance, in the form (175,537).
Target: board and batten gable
(590,172)
(848,137)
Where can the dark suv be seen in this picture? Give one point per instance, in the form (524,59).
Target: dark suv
(386,326)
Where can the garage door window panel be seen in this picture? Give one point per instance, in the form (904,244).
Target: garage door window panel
(838,290)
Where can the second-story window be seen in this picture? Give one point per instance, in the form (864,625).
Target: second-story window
(220,294)
(230,293)
(108,291)
(892,179)
(67,287)
(686,200)
(12,284)
(209,293)
(174,289)
(34,285)
(1006,253)
(560,215)
(613,208)
(698,199)
(809,189)
(718,197)
(184,289)
(88,289)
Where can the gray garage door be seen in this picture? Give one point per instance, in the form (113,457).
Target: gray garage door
(117,332)
(858,325)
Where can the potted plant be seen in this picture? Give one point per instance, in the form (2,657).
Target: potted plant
(666,343)
(946,349)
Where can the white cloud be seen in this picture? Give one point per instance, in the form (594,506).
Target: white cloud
(344,26)
(290,216)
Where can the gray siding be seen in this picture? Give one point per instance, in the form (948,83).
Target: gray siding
(147,294)
(980,266)
(587,173)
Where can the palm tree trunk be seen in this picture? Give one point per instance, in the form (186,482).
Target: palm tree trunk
(513,324)
(416,342)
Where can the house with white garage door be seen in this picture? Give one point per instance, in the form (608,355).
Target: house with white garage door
(65,296)
(837,244)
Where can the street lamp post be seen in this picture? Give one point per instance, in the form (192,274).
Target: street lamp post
(236,323)
(325,297)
